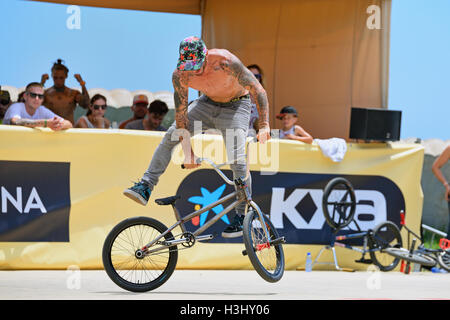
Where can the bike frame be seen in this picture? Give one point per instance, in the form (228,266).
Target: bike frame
(360,234)
(242,194)
(421,247)
(366,235)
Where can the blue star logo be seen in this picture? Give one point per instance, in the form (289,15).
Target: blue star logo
(206,199)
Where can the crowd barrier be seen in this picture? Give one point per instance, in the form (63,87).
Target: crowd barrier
(61,193)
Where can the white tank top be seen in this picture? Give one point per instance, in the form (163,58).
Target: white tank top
(89,124)
(285,133)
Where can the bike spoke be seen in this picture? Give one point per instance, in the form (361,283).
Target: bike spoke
(266,253)
(127,265)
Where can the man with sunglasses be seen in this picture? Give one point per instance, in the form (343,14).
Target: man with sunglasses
(225,105)
(32,113)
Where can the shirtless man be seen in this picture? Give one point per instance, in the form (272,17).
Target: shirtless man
(60,99)
(436,168)
(225,105)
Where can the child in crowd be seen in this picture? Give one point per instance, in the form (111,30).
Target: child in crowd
(288,115)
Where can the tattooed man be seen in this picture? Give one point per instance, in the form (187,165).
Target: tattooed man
(32,113)
(226,85)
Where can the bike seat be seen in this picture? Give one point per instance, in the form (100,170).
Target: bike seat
(167,201)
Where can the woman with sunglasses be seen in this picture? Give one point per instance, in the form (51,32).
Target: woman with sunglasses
(95,117)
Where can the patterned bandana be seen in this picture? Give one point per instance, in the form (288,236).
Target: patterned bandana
(192,54)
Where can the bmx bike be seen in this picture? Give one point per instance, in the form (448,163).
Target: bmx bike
(140,254)
(339,206)
(424,256)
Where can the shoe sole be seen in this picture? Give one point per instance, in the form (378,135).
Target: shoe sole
(135,196)
(232,234)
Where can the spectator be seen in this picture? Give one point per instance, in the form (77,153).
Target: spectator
(257,72)
(139,108)
(95,117)
(155,115)
(436,168)
(60,99)
(32,113)
(20,97)
(290,130)
(5,102)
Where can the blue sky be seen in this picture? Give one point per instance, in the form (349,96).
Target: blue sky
(138,50)
(419,75)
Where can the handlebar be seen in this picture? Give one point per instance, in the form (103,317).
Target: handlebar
(218,166)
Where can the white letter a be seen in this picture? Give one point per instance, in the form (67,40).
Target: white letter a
(34,196)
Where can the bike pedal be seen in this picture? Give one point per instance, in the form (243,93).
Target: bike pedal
(366,261)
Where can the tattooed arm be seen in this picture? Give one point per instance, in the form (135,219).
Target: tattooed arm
(55,123)
(181,118)
(181,99)
(247,80)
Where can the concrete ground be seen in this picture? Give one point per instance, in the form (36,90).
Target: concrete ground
(228,285)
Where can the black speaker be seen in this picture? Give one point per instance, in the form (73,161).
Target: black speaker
(375,124)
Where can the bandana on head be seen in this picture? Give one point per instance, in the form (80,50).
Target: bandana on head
(192,54)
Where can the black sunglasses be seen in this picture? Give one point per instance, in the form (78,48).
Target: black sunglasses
(258,76)
(36,95)
(98,106)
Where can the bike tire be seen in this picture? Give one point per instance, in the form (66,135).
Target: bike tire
(124,268)
(267,261)
(385,235)
(339,194)
(415,257)
(444,260)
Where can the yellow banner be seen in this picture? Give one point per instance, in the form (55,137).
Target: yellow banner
(61,194)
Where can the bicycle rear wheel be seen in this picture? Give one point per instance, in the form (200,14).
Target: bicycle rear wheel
(385,235)
(338,203)
(129,268)
(444,260)
(266,258)
(415,257)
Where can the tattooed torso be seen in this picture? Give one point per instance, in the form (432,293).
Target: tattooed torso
(61,103)
(222,79)
(215,81)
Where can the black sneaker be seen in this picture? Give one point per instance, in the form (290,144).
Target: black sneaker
(140,192)
(234,230)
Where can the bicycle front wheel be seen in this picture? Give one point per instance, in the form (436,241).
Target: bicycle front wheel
(338,203)
(385,235)
(127,266)
(266,257)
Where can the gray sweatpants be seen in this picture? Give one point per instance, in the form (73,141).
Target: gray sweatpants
(231,119)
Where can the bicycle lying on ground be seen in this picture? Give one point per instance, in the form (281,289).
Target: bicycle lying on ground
(140,254)
(339,206)
(424,256)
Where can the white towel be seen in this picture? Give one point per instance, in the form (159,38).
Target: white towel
(334,148)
